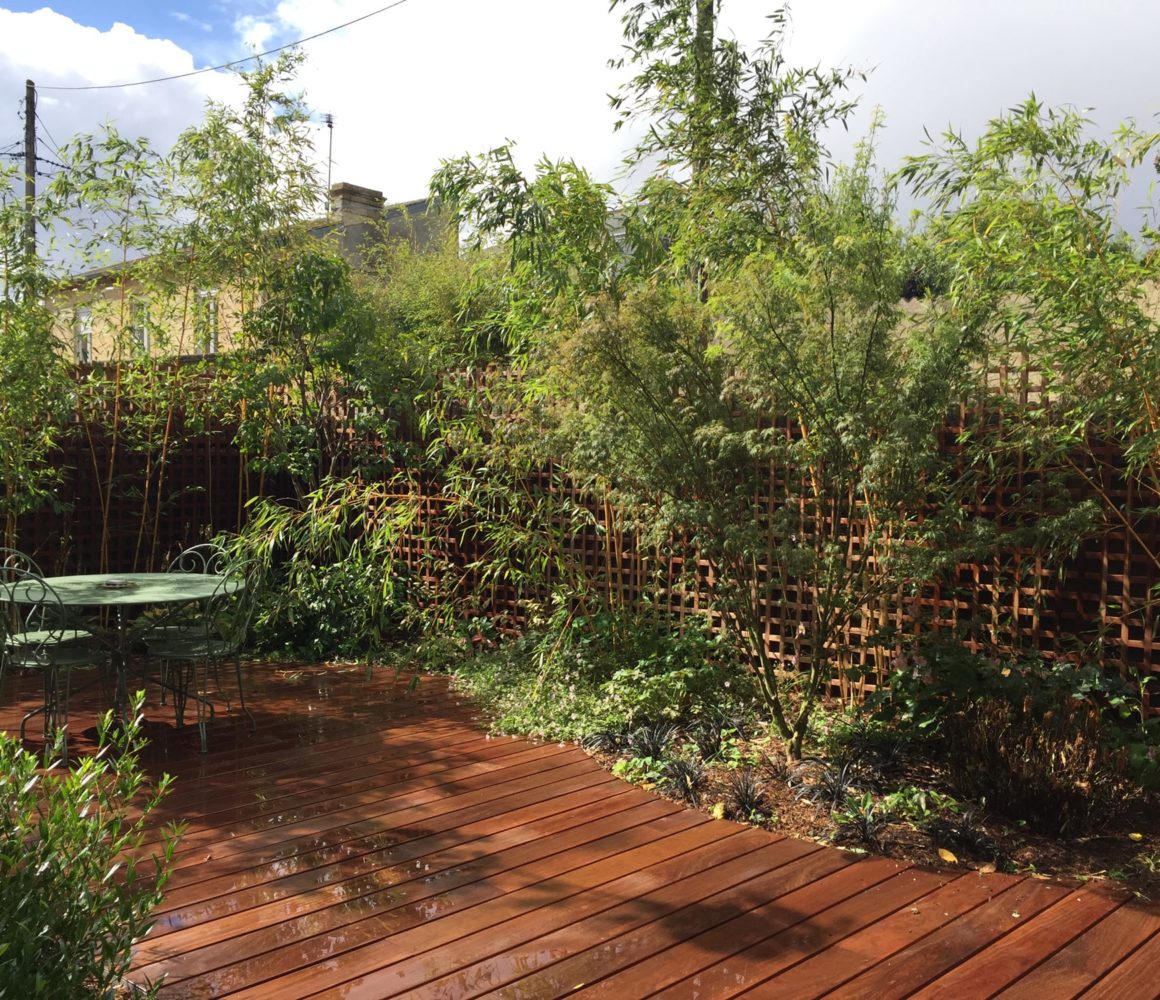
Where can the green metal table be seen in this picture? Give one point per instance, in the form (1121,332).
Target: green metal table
(125,590)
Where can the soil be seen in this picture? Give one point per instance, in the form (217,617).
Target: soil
(1126,854)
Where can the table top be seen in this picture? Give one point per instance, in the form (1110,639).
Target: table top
(102,589)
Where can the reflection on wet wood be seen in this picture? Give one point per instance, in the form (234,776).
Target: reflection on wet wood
(371,841)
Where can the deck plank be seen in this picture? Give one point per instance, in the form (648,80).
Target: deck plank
(864,949)
(913,967)
(587,952)
(273,942)
(1134,978)
(1025,947)
(662,852)
(809,929)
(1100,948)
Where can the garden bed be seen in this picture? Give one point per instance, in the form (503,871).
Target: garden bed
(908,811)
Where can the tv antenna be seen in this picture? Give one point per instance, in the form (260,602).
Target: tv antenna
(328,120)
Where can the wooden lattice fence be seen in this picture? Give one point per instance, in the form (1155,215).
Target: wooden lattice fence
(1105,597)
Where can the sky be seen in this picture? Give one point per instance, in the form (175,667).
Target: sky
(433,79)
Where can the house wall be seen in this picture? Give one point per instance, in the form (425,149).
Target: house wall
(115,316)
(113,313)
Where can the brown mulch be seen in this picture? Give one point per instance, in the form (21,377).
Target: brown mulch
(1125,853)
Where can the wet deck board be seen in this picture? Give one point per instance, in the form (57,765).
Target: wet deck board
(371,841)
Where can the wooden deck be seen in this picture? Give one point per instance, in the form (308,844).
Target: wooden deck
(370,842)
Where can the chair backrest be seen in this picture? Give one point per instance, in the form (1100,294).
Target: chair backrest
(35,621)
(12,560)
(204,558)
(14,567)
(231,608)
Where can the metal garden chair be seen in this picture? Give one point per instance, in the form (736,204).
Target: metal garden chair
(219,636)
(41,634)
(182,623)
(13,559)
(207,557)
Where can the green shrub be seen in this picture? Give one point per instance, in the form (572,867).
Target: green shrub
(329,611)
(577,675)
(73,897)
(1041,742)
(333,586)
(676,676)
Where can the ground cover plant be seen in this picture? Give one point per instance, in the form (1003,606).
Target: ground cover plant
(1056,793)
(75,892)
(619,677)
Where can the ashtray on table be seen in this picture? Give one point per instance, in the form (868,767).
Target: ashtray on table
(117,583)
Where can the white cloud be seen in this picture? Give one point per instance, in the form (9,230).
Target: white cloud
(254,32)
(80,56)
(438,78)
(185,18)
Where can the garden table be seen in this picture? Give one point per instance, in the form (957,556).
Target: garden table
(128,590)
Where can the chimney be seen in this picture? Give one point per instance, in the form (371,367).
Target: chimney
(351,203)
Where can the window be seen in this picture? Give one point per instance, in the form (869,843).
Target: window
(83,335)
(205,321)
(139,326)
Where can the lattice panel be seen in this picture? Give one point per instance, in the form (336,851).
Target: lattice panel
(1106,594)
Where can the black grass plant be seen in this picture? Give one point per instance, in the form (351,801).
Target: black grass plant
(966,837)
(684,778)
(654,741)
(862,821)
(827,784)
(612,740)
(745,796)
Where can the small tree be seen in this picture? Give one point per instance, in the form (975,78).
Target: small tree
(298,346)
(73,896)
(798,382)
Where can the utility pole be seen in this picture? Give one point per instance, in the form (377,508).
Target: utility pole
(30,171)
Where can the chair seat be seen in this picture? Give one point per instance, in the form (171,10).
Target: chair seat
(195,647)
(62,657)
(168,634)
(55,637)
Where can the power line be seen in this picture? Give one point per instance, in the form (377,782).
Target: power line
(236,62)
(55,146)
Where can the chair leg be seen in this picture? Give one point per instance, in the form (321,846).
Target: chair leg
(180,690)
(62,712)
(42,710)
(201,672)
(242,694)
(49,708)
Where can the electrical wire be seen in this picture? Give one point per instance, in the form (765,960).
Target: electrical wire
(229,65)
(54,148)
